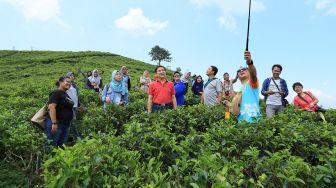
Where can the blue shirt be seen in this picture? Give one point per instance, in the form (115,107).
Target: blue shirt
(249,106)
(179,92)
(283,86)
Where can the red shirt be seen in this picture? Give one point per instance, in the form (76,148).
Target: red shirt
(162,93)
(302,104)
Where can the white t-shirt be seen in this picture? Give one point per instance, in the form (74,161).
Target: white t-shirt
(274,99)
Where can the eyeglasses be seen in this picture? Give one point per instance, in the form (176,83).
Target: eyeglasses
(176,75)
(240,70)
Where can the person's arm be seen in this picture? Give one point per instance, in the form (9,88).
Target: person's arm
(219,97)
(104,94)
(264,88)
(251,68)
(235,79)
(150,103)
(219,89)
(150,98)
(174,102)
(285,89)
(52,114)
(315,101)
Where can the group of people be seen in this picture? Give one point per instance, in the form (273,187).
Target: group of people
(165,94)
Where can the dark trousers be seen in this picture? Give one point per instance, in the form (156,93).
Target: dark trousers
(160,107)
(60,137)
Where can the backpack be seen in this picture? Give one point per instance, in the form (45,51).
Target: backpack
(234,107)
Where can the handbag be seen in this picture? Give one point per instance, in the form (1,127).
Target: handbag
(318,108)
(234,106)
(39,118)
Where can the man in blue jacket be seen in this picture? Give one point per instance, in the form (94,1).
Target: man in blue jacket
(274,90)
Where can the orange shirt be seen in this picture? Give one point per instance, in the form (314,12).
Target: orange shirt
(302,104)
(162,93)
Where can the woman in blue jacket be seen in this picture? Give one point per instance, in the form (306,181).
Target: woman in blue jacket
(179,88)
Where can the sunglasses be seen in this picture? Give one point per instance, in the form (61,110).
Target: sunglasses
(240,70)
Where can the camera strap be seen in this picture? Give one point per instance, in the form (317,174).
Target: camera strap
(305,99)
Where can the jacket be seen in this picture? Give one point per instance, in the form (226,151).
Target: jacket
(283,86)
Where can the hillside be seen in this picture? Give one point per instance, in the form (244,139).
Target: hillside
(126,147)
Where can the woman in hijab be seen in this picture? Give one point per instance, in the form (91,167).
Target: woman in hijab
(179,88)
(145,81)
(197,87)
(95,80)
(113,91)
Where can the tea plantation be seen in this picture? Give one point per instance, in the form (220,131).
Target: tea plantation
(127,147)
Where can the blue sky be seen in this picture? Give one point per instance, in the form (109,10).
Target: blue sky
(299,34)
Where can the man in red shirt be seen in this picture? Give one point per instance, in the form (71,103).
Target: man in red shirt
(161,92)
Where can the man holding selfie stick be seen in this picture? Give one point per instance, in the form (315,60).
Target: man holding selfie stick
(249,106)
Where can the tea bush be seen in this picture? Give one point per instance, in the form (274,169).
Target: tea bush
(193,146)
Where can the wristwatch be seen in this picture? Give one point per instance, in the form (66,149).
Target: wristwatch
(250,63)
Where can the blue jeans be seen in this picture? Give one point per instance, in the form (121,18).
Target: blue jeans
(60,137)
(158,107)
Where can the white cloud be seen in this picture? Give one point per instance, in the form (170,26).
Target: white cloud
(41,10)
(228,22)
(332,11)
(135,22)
(229,9)
(325,5)
(322,4)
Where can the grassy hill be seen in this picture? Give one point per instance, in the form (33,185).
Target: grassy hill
(126,147)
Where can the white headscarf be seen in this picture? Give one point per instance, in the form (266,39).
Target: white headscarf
(94,79)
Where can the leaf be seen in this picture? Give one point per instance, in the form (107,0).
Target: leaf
(194,185)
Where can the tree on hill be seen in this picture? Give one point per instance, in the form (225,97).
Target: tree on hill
(160,54)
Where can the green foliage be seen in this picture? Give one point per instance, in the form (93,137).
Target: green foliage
(11,177)
(127,147)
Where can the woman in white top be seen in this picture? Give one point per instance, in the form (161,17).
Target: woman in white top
(145,81)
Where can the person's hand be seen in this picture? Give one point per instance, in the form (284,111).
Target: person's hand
(281,93)
(311,105)
(270,92)
(81,109)
(309,110)
(247,56)
(107,100)
(226,102)
(54,128)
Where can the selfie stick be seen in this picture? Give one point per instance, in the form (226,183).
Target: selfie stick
(248,28)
